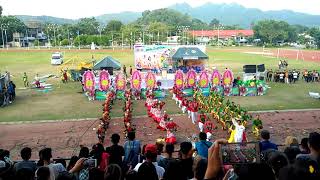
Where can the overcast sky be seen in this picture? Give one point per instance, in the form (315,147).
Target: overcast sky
(73,9)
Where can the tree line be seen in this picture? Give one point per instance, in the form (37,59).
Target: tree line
(154,27)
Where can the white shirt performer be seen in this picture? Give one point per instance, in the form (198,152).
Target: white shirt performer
(238,136)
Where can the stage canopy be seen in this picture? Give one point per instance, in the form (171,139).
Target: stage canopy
(107,63)
(189,53)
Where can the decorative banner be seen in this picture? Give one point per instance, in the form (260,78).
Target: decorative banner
(227,78)
(136,80)
(104,81)
(150,80)
(88,81)
(216,78)
(120,82)
(191,78)
(178,79)
(204,80)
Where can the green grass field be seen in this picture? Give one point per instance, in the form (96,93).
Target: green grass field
(66,101)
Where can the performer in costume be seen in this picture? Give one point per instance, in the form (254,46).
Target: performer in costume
(194,112)
(184,105)
(25,80)
(202,119)
(239,134)
(208,128)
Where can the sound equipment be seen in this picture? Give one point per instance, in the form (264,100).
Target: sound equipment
(249,68)
(261,68)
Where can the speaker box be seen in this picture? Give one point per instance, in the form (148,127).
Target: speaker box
(261,68)
(249,68)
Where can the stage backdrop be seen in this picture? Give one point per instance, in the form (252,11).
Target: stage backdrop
(156,56)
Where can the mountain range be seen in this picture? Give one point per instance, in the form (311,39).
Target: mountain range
(227,14)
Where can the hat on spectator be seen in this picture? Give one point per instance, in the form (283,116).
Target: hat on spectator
(151,148)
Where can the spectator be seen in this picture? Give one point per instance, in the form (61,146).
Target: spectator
(255,171)
(304,146)
(314,145)
(43,173)
(291,141)
(276,160)
(147,170)
(301,169)
(186,160)
(199,169)
(174,171)
(132,175)
(100,155)
(72,162)
(115,151)
(113,172)
(159,151)
(55,169)
(25,154)
(132,148)
(292,153)
(151,157)
(203,145)
(84,152)
(24,174)
(265,144)
(168,156)
(66,176)
(61,161)
(95,174)
(11,91)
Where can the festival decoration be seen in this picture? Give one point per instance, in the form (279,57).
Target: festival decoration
(136,80)
(216,78)
(203,80)
(150,80)
(227,78)
(120,82)
(191,78)
(104,80)
(178,79)
(88,81)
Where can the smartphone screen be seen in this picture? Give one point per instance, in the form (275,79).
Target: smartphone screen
(91,163)
(240,153)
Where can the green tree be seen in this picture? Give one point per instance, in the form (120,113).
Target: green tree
(11,24)
(65,42)
(114,26)
(88,26)
(271,31)
(315,33)
(1,10)
(214,22)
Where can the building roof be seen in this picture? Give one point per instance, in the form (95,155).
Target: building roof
(221,33)
(189,53)
(107,62)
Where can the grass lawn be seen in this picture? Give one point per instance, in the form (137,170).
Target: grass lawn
(66,101)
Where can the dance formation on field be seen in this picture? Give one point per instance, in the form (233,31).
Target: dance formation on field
(155,110)
(202,109)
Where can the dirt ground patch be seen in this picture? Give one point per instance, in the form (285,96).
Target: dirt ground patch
(65,137)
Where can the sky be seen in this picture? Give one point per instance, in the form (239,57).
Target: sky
(73,9)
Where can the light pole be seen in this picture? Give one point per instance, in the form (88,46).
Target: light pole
(2,36)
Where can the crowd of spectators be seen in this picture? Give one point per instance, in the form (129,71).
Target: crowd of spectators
(292,76)
(198,161)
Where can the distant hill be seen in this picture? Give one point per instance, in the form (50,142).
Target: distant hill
(228,14)
(46,19)
(231,14)
(125,17)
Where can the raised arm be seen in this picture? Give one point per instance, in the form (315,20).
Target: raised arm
(235,122)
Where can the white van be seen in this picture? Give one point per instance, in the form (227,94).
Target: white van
(56,58)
